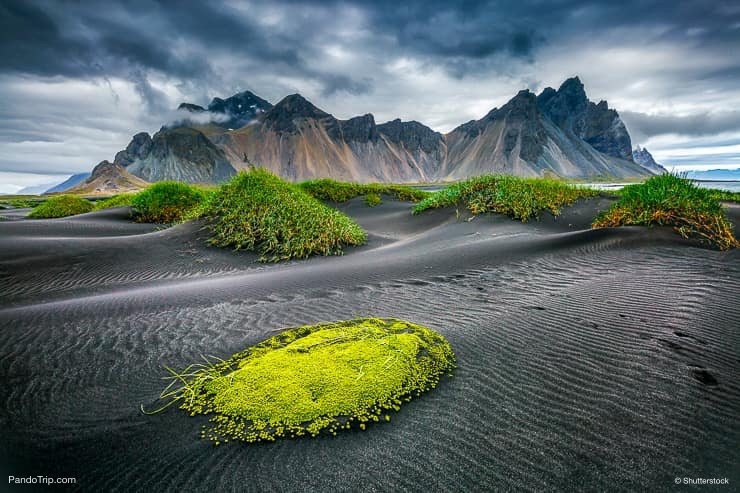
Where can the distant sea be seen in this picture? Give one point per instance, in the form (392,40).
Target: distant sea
(731,185)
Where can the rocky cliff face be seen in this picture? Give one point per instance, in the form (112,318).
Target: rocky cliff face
(138,148)
(239,109)
(596,124)
(645,159)
(183,154)
(557,132)
(300,141)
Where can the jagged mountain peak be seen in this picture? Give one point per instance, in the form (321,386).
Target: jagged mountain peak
(239,103)
(139,146)
(558,131)
(232,112)
(282,116)
(192,108)
(570,109)
(299,106)
(643,157)
(105,168)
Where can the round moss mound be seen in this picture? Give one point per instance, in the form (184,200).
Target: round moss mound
(62,206)
(258,211)
(166,202)
(313,379)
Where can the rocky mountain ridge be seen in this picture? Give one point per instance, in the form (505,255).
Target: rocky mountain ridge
(558,132)
(643,157)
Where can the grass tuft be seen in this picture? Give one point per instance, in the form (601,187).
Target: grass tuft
(61,206)
(258,211)
(519,198)
(313,379)
(337,191)
(725,195)
(166,202)
(22,202)
(373,199)
(120,200)
(672,200)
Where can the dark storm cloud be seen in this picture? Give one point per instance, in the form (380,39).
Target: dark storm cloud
(176,38)
(85,75)
(696,125)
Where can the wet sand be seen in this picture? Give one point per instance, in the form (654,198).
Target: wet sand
(587,359)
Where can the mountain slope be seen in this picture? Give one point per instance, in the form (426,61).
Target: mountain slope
(642,157)
(109,177)
(559,132)
(181,153)
(300,141)
(69,183)
(547,134)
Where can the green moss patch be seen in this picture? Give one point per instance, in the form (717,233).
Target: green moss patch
(258,211)
(166,202)
(519,198)
(313,379)
(61,206)
(337,191)
(672,200)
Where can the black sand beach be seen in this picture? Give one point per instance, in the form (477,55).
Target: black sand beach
(588,360)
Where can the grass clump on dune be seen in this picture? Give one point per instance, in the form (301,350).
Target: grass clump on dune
(725,195)
(258,211)
(22,202)
(672,200)
(312,379)
(373,199)
(61,206)
(337,191)
(120,200)
(166,202)
(519,198)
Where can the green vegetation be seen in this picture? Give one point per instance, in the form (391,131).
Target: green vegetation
(519,198)
(120,200)
(258,211)
(61,206)
(373,199)
(337,191)
(672,200)
(725,195)
(313,379)
(166,202)
(21,201)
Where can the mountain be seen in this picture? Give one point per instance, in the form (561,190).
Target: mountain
(180,153)
(33,189)
(233,112)
(68,183)
(642,157)
(300,141)
(596,124)
(109,177)
(558,132)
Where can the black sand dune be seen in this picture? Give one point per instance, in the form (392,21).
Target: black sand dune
(588,359)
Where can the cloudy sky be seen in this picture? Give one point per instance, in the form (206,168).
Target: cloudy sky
(79,78)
